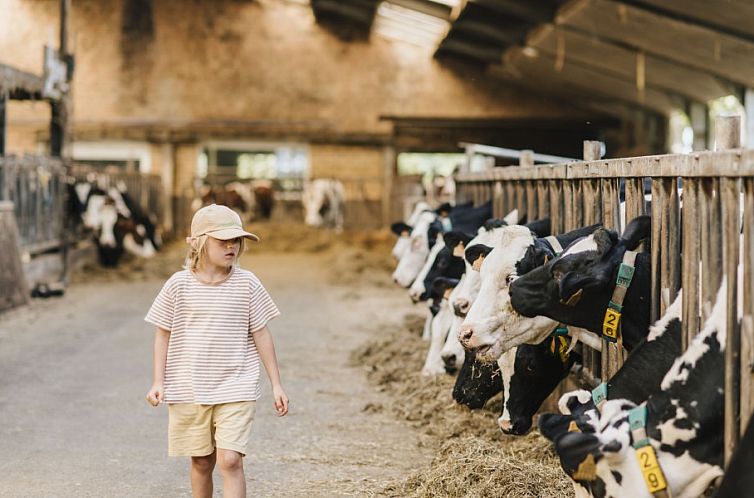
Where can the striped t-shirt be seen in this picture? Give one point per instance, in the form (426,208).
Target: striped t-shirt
(212,357)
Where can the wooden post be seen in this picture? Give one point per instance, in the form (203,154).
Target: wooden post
(13,288)
(749,112)
(388,173)
(728,136)
(3,121)
(592,150)
(747,324)
(527,158)
(699,118)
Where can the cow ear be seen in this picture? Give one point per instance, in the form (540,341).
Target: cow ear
(637,230)
(571,285)
(399,227)
(552,425)
(573,448)
(476,251)
(541,228)
(511,218)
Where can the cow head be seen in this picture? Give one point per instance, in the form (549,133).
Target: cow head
(481,327)
(416,254)
(575,287)
(403,231)
(536,372)
(476,382)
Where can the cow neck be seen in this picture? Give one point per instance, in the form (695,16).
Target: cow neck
(646,457)
(611,326)
(635,325)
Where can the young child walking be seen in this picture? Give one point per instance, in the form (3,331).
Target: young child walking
(211,321)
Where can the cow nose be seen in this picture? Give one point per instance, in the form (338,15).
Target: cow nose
(414,296)
(461,306)
(505,425)
(395,279)
(464,335)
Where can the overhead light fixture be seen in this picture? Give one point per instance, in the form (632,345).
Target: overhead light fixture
(400,23)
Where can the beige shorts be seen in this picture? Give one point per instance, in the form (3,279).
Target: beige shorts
(196,430)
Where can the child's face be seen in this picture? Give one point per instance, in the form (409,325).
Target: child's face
(222,253)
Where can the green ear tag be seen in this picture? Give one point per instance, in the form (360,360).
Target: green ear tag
(599,394)
(625,275)
(560,330)
(637,418)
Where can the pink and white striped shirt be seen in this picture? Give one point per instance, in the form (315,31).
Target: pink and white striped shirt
(212,357)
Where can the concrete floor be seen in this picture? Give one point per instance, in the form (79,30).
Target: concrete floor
(74,370)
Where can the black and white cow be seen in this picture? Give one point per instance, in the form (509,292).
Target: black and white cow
(403,230)
(639,376)
(424,235)
(442,316)
(490,323)
(684,424)
(323,201)
(117,222)
(575,287)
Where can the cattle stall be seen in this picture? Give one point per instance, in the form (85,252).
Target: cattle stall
(702,209)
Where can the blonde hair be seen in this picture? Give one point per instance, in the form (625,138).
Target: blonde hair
(198,252)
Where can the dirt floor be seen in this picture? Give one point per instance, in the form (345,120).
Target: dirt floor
(75,369)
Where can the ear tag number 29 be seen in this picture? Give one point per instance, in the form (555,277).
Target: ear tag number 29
(650,469)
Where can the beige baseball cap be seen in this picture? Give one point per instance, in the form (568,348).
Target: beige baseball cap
(219,222)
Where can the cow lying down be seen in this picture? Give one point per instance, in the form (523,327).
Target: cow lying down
(676,434)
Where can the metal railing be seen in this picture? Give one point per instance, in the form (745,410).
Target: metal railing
(36,186)
(693,247)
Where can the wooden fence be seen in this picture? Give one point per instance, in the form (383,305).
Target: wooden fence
(693,247)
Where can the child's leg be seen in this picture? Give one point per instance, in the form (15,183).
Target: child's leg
(231,468)
(201,475)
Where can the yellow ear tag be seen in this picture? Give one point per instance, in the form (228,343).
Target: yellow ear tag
(587,470)
(563,349)
(447,292)
(478,263)
(458,250)
(573,427)
(610,325)
(650,469)
(574,299)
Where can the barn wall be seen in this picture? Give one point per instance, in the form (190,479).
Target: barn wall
(194,60)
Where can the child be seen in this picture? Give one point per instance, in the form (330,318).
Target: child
(211,321)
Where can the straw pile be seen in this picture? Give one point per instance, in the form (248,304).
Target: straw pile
(473,458)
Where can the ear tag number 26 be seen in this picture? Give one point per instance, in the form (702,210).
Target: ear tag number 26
(650,468)
(610,325)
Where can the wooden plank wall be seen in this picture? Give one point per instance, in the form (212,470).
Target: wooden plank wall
(700,236)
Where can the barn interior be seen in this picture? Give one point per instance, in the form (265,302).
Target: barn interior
(179,103)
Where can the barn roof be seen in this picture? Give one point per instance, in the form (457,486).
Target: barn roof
(608,55)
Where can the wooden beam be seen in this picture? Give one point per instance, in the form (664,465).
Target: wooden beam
(479,29)
(622,62)
(534,12)
(434,9)
(543,68)
(20,85)
(361,15)
(486,54)
(733,17)
(695,46)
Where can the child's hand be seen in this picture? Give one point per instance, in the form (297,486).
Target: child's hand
(155,394)
(281,401)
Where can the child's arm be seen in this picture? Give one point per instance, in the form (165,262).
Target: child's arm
(160,356)
(266,349)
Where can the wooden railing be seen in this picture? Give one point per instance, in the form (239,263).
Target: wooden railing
(693,247)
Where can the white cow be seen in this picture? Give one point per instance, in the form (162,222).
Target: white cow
(404,240)
(323,201)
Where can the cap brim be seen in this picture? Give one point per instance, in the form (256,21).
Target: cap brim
(231,233)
